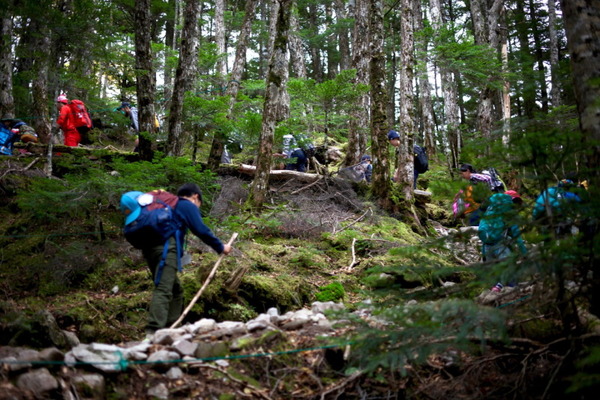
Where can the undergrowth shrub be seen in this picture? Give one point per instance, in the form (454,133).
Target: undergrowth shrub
(331,292)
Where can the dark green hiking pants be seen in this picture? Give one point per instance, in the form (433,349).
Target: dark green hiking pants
(167,299)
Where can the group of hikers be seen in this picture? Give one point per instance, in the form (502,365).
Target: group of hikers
(486,203)
(73,120)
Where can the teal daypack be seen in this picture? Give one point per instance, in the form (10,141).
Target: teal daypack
(493,227)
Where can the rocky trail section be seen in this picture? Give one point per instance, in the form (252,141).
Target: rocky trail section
(201,360)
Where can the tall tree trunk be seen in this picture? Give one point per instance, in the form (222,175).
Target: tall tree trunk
(483,34)
(296,48)
(379,99)
(581,24)
(359,120)
(7,102)
(405,176)
(233,86)
(185,71)
(426,105)
(583,35)
(315,52)
(556,89)
(42,46)
(539,56)
(219,24)
(170,45)
(506,113)
(331,43)
(449,89)
(275,104)
(343,41)
(527,60)
(145,77)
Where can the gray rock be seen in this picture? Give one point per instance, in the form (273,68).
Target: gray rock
(168,336)
(159,391)
(185,347)
(322,307)
(39,381)
(162,356)
(273,312)
(175,373)
(242,342)
(71,339)
(203,326)
(295,323)
(256,324)
(106,361)
(211,349)
(51,354)
(13,364)
(229,328)
(90,385)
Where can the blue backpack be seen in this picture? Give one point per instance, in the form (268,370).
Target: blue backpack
(7,138)
(492,226)
(150,221)
(421,161)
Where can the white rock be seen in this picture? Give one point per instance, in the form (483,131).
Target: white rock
(322,307)
(175,373)
(159,391)
(203,326)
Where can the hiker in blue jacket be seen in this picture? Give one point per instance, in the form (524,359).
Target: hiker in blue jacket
(556,206)
(167,299)
(7,137)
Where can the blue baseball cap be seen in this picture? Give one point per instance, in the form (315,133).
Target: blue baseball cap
(393,135)
(130,206)
(365,157)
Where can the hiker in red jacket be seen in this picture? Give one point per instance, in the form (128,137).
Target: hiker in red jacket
(65,122)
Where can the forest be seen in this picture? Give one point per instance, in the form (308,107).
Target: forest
(218,86)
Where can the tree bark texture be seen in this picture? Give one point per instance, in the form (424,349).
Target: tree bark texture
(582,23)
(449,89)
(379,99)
(405,177)
(145,78)
(219,24)
(343,41)
(359,120)
(556,89)
(275,98)
(183,76)
(426,105)
(42,45)
(7,102)
(296,46)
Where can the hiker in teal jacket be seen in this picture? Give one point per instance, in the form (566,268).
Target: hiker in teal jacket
(167,299)
(498,231)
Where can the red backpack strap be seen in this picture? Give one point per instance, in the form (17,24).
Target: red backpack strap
(162,197)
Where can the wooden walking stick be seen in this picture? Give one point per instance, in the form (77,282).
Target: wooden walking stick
(206,282)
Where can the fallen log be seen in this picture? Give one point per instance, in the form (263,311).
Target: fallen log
(282,174)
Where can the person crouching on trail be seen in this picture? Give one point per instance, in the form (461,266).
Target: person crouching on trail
(167,299)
